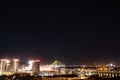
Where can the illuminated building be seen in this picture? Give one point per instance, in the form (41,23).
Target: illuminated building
(4,65)
(56,64)
(46,68)
(34,66)
(15,65)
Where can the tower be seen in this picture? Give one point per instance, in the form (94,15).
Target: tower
(35,66)
(15,65)
(4,65)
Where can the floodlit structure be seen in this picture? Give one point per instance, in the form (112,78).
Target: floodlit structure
(46,68)
(56,64)
(52,69)
(15,65)
(33,66)
(4,67)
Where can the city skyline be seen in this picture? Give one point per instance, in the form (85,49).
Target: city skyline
(72,32)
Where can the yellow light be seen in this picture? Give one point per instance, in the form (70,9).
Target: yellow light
(101,69)
(7,61)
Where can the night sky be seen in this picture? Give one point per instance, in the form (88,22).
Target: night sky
(72,32)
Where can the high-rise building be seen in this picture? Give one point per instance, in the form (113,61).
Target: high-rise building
(4,65)
(15,65)
(36,66)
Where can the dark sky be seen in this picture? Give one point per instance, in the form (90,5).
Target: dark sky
(72,32)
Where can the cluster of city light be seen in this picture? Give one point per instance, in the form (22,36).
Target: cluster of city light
(5,66)
(8,66)
(55,68)
(30,65)
(46,68)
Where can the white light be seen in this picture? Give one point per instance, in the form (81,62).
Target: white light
(15,59)
(7,61)
(30,66)
(111,64)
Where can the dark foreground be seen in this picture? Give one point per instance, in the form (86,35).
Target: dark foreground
(27,77)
